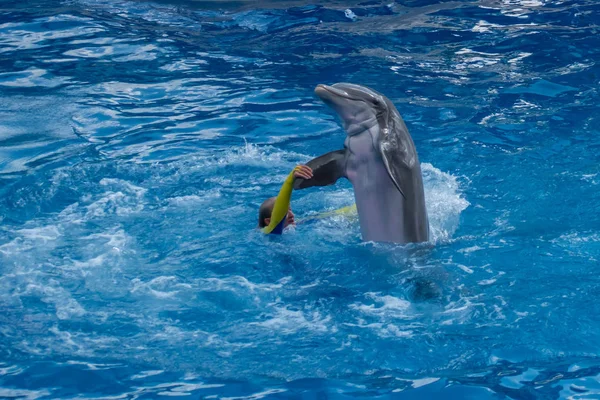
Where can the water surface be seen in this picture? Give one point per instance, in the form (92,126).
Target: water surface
(137,140)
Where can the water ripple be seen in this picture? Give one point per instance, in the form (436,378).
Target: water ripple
(138,139)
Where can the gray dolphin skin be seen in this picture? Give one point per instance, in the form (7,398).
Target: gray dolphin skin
(380,160)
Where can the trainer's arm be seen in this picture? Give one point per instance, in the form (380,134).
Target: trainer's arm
(282,203)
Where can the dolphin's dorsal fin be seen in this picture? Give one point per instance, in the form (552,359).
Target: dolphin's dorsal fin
(396,146)
(327,169)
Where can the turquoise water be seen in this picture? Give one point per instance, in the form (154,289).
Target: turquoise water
(137,140)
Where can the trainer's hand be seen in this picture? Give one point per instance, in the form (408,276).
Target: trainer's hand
(303,171)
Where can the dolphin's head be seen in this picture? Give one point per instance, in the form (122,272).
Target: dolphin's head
(358,106)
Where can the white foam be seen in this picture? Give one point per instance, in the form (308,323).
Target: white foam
(73,343)
(117,238)
(470,249)
(459,311)
(146,374)
(577,238)
(384,329)
(45,233)
(32,239)
(66,307)
(388,309)
(191,200)
(289,321)
(251,154)
(444,202)
(127,200)
(138,191)
(391,330)
(111,203)
(236,282)
(589,178)
(391,305)
(93,262)
(162,287)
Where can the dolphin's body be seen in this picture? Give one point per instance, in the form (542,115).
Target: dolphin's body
(380,160)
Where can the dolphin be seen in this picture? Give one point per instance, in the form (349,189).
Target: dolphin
(380,160)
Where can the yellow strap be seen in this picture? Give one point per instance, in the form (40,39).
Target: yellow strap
(282,203)
(347,211)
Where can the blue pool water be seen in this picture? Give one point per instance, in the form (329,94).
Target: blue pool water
(137,140)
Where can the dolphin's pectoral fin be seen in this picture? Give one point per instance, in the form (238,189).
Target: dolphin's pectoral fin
(397,148)
(393,164)
(327,169)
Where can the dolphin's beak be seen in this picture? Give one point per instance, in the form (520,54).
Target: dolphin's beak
(329,93)
(322,91)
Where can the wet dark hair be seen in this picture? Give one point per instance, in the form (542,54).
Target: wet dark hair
(265,210)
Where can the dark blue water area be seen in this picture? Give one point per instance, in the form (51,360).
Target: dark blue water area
(138,139)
